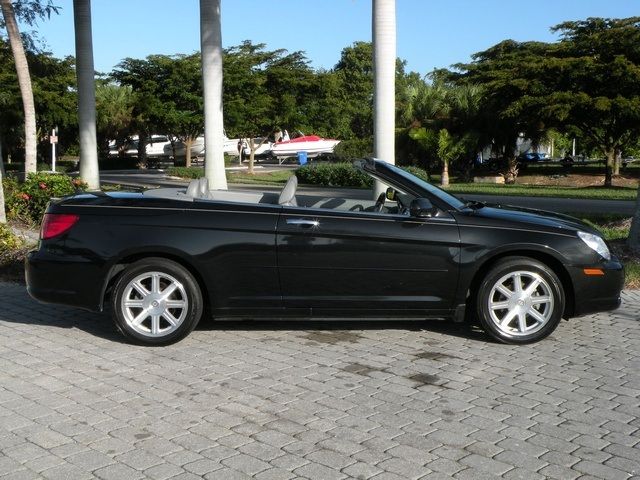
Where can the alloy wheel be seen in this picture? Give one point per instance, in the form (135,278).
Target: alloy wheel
(154,304)
(520,303)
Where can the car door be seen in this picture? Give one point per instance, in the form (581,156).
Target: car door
(234,246)
(341,263)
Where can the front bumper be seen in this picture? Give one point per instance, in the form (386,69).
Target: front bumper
(597,293)
(68,280)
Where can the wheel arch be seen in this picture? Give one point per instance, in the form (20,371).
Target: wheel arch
(548,259)
(121,264)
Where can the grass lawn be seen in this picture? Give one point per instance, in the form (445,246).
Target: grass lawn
(615,229)
(279,177)
(599,193)
(273,178)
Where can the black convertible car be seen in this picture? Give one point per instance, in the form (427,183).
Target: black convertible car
(164,257)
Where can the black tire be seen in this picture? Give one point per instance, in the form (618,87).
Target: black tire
(524,318)
(163,320)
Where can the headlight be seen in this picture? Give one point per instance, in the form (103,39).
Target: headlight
(596,243)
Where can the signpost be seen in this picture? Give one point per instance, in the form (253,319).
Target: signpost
(53,139)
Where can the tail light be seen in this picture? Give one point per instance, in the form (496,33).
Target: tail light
(54,224)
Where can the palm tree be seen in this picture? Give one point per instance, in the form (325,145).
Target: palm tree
(634,233)
(211,44)
(3,214)
(384,73)
(86,94)
(24,80)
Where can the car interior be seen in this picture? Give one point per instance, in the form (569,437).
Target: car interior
(390,202)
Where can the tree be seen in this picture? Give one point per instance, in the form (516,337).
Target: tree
(212,74)
(597,84)
(166,97)
(588,82)
(182,97)
(147,79)
(507,75)
(53,83)
(86,94)
(443,120)
(27,11)
(252,108)
(355,72)
(114,112)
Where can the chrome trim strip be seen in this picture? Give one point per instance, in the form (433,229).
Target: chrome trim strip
(390,218)
(518,229)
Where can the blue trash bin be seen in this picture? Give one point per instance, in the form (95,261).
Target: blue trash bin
(302,158)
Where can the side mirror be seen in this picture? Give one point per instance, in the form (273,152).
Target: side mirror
(422,208)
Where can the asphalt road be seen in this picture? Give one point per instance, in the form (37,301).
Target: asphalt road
(156,178)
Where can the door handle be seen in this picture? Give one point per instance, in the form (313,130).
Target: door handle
(302,222)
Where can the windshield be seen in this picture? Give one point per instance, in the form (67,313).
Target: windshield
(432,189)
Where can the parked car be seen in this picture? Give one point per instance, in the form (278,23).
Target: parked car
(529,157)
(161,258)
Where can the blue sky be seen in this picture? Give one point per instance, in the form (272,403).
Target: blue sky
(431,33)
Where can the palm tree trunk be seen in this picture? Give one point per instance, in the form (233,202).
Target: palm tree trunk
(211,45)
(252,155)
(24,80)
(86,94)
(617,162)
(444,181)
(3,214)
(384,73)
(187,151)
(634,233)
(611,159)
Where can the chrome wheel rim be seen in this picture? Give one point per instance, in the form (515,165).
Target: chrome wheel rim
(521,303)
(154,304)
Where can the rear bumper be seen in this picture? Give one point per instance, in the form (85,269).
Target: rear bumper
(65,280)
(597,293)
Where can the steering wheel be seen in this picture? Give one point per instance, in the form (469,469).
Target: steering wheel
(380,202)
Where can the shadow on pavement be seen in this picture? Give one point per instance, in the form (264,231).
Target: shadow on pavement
(18,307)
(445,327)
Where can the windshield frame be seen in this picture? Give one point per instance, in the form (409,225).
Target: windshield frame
(396,175)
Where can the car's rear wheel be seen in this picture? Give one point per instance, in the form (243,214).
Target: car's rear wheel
(156,302)
(520,300)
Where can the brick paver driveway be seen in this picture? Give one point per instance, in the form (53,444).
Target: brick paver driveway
(279,401)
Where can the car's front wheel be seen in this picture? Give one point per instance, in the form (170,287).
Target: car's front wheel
(520,300)
(156,302)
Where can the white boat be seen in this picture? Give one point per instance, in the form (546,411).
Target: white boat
(155,147)
(312,144)
(263,147)
(197,147)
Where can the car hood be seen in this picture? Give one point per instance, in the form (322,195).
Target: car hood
(533,218)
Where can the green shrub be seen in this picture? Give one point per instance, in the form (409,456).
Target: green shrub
(342,175)
(418,172)
(185,172)
(351,149)
(62,166)
(8,241)
(333,175)
(29,200)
